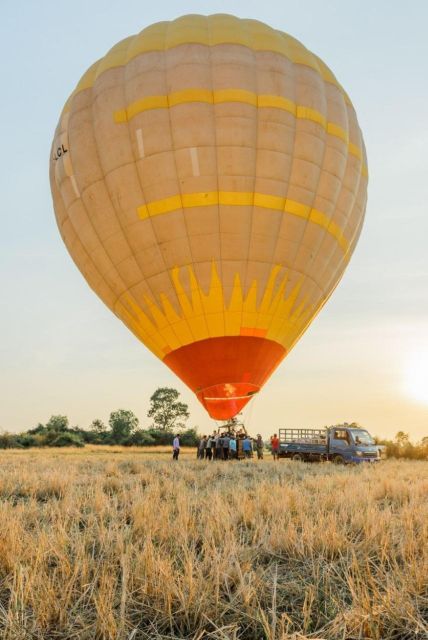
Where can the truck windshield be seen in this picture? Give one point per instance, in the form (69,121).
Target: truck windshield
(362,437)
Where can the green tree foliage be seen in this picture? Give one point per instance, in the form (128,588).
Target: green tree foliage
(123,430)
(122,423)
(37,430)
(190,438)
(98,426)
(9,441)
(57,423)
(67,439)
(168,413)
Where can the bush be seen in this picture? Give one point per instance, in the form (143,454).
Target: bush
(66,439)
(140,438)
(190,438)
(27,440)
(159,437)
(9,441)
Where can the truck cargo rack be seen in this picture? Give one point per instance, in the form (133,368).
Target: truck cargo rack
(303,436)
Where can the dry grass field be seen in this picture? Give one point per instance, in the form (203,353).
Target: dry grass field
(122,544)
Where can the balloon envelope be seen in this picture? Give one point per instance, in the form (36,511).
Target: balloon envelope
(209,180)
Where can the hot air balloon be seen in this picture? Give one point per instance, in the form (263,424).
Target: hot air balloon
(209,180)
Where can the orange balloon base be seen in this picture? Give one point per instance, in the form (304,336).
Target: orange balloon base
(226,372)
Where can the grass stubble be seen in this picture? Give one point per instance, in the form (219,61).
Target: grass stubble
(115,546)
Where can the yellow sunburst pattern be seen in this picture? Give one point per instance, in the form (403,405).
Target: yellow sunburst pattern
(279,316)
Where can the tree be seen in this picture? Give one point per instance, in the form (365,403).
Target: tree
(402,438)
(98,426)
(57,423)
(168,413)
(39,429)
(122,423)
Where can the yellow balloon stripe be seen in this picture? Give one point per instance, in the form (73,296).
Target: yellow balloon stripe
(232,198)
(209,31)
(238,95)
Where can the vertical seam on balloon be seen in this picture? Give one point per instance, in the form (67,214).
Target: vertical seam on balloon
(80,242)
(143,277)
(312,206)
(346,257)
(114,208)
(94,229)
(354,239)
(283,269)
(173,150)
(356,235)
(325,293)
(214,123)
(287,182)
(349,160)
(358,228)
(353,242)
(323,232)
(114,269)
(256,120)
(306,223)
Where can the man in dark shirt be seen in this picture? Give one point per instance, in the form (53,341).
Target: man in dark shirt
(226,441)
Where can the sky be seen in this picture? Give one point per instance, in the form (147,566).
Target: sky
(364,358)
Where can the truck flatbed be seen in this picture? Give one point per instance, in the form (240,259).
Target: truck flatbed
(341,444)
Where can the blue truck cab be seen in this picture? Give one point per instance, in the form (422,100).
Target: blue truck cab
(340,444)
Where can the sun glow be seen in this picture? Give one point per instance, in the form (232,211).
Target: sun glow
(415,375)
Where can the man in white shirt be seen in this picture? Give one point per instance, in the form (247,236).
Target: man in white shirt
(175,448)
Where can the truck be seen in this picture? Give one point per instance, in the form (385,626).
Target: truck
(340,444)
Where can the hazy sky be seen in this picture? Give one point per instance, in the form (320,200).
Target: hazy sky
(365,357)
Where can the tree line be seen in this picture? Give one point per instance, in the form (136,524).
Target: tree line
(169,415)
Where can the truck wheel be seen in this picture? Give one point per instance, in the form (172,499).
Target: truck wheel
(298,457)
(339,460)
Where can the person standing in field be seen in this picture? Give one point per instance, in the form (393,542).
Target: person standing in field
(247,446)
(208,448)
(226,444)
(232,447)
(214,445)
(259,447)
(202,447)
(176,447)
(218,447)
(274,442)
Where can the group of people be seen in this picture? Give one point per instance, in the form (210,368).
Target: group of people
(229,446)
